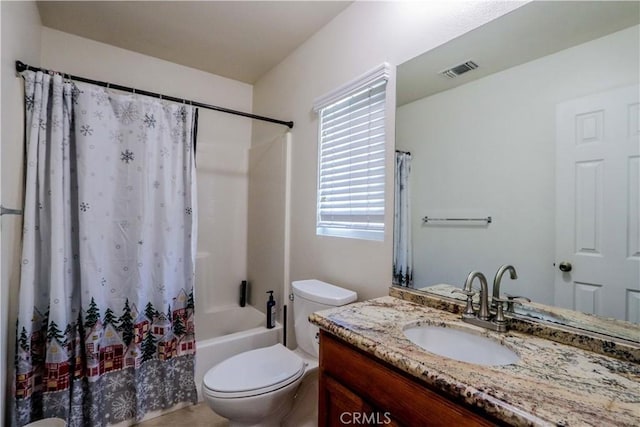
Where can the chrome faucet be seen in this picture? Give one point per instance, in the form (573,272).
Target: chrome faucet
(483,312)
(498,278)
(496,299)
(483,316)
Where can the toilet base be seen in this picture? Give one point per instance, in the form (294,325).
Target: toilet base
(305,405)
(264,410)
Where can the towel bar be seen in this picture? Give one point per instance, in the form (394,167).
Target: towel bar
(488,219)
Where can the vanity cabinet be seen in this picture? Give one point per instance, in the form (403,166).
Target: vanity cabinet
(356,389)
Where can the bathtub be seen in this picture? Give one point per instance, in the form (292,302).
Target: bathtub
(227,331)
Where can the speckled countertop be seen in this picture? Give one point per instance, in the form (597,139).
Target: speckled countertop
(551,384)
(611,343)
(590,323)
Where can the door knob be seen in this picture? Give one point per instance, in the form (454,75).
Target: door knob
(565,266)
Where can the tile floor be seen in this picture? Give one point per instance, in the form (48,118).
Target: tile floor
(192,416)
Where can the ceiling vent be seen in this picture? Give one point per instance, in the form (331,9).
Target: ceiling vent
(459,69)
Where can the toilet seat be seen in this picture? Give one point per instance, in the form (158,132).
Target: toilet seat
(253,373)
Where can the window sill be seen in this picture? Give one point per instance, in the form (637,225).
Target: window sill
(351,234)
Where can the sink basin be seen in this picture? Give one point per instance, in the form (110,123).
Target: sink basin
(461,345)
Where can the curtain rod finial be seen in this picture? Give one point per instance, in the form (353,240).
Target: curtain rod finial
(20,66)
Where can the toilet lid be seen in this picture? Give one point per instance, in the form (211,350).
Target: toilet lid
(254,372)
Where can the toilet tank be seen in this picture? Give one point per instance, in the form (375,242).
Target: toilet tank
(310,296)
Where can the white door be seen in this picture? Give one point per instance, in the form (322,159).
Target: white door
(597,204)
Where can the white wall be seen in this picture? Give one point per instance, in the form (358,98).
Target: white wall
(488,148)
(360,38)
(20,41)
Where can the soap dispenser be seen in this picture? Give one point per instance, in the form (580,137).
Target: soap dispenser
(271,311)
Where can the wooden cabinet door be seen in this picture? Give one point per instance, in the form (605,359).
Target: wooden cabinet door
(342,407)
(338,403)
(352,381)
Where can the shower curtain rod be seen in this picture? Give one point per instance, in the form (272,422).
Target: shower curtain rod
(21,66)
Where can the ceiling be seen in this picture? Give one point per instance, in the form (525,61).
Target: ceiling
(241,40)
(532,31)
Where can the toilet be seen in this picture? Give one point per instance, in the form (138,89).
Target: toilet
(258,387)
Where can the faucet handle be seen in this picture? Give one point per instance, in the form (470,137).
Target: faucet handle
(514,299)
(468,310)
(499,319)
(464,292)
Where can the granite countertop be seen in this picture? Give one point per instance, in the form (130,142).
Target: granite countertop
(590,323)
(551,384)
(611,342)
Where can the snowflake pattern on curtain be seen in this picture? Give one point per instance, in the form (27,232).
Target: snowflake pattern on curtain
(105,332)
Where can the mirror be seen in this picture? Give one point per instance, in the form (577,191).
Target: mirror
(511,160)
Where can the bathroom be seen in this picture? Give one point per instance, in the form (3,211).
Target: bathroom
(256,184)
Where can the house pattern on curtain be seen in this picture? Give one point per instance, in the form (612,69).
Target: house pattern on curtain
(111,344)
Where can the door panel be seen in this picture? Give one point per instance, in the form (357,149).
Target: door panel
(589,207)
(633,216)
(597,204)
(587,297)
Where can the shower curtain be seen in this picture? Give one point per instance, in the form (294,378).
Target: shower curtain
(105,331)
(402,251)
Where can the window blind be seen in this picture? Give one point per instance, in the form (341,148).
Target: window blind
(351,173)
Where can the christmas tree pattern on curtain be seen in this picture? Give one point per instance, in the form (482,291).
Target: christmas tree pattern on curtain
(109,344)
(105,332)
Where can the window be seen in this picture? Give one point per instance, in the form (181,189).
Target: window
(351,165)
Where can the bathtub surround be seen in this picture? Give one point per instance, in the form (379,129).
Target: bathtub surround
(106,297)
(267,226)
